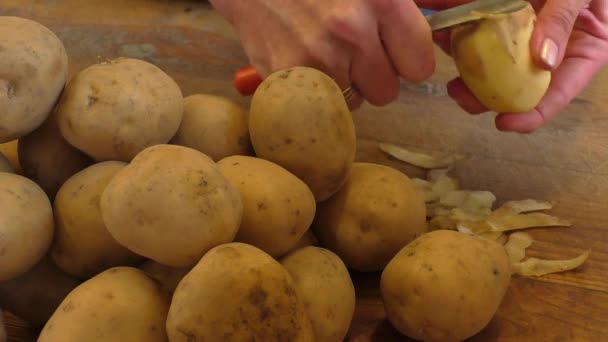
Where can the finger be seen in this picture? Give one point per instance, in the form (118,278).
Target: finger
(567,82)
(458,91)
(407,38)
(552,32)
(442,39)
(373,74)
(600,9)
(355,100)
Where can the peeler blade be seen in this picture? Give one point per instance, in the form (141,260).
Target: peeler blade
(472,11)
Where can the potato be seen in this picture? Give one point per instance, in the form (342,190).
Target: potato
(5,164)
(237,293)
(323,283)
(119,304)
(48,159)
(299,119)
(115,109)
(36,294)
(375,214)
(445,285)
(278,207)
(26,225)
(167,277)
(34,69)
(83,247)
(9,150)
(171,204)
(494,60)
(214,125)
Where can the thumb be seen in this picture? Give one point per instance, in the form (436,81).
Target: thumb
(553,28)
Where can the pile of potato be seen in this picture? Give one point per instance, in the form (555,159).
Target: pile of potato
(133,213)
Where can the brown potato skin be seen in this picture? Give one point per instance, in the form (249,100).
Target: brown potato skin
(119,304)
(114,110)
(375,214)
(242,294)
(83,247)
(214,125)
(34,69)
(26,225)
(36,294)
(445,285)
(278,208)
(171,204)
(299,119)
(48,159)
(326,288)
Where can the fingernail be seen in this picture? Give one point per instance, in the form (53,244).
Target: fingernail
(548,52)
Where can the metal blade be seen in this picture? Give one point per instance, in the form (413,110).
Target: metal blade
(472,11)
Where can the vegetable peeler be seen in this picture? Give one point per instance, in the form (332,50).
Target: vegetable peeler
(246,79)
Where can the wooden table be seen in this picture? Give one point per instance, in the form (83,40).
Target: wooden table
(566,161)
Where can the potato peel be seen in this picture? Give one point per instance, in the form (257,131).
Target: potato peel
(471,212)
(539,267)
(521,206)
(516,246)
(419,159)
(522,221)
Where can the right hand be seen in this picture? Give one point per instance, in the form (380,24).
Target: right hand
(365,44)
(576,32)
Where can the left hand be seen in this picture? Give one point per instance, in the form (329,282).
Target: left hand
(570,39)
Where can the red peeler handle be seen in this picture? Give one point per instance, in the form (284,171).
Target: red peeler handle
(247,80)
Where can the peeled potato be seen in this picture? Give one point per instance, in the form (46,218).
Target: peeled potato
(494,60)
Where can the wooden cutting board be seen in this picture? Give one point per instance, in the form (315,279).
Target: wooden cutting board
(565,162)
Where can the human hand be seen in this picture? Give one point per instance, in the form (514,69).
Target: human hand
(570,39)
(365,44)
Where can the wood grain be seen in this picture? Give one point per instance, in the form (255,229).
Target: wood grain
(565,162)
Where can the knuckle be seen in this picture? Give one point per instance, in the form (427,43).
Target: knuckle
(563,19)
(345,28)
(383,6)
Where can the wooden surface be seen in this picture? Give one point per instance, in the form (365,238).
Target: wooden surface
(566,162)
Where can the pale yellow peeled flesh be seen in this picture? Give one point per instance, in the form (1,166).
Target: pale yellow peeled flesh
(494,61)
